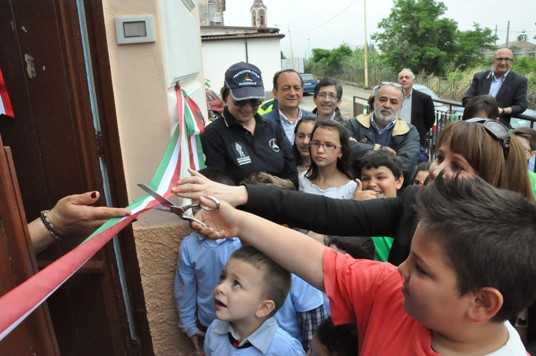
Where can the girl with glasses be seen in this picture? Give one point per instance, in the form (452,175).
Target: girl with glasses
(329,171)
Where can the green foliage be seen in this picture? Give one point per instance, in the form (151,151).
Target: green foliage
(527,67)
(330,62)
(347,64)
(416,35)
(470,45)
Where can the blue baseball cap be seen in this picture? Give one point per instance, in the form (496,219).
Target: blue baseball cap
(244,81)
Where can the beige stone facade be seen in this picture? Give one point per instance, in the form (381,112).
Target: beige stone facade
(157,248)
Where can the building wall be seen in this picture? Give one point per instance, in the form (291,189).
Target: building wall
(220,55)
(144,103)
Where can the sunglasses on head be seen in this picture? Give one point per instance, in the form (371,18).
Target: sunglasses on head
(252,102)
(496,129)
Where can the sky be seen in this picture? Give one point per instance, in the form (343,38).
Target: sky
(311,24)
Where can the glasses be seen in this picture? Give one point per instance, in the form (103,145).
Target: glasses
(507,59)
(328,146)
(496,129)
(325,95)
(252,102)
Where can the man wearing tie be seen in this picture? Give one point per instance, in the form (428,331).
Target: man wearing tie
(506,86)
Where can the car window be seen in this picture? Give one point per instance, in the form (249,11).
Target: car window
(306,76)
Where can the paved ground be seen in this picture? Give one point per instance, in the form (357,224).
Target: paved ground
(346,105)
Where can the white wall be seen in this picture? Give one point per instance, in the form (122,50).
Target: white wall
(141,79)
(220,55)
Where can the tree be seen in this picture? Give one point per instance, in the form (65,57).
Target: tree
(470,45)
(329,62)
(416,35)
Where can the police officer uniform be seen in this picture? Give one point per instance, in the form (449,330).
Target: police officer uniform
(229,147)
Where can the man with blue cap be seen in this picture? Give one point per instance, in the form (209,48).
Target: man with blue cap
(240,142)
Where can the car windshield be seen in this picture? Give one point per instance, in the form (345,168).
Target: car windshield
(306,76)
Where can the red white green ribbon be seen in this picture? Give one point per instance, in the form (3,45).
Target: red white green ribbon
(5,102)
(183,151)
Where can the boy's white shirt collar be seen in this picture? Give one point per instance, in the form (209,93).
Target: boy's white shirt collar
(260,338)
(514,345)
(203,238)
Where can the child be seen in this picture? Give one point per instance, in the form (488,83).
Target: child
(381,177)
(302,137)
(199,265)
(421,174)
(303,311)
(527,137)
(331,340)
(329,170)
(252,288)
(469,270)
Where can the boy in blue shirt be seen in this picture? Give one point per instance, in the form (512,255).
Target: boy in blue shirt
(303,310)
(251,289)
(200,262)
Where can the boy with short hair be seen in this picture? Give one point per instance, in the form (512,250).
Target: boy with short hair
(252,288)
(381,177)
(303,309)
(470,269)
(199,265)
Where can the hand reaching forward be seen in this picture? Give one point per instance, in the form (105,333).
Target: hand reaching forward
(74,214)
(198,185)
(221,219)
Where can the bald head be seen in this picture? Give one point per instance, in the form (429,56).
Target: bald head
(502,62)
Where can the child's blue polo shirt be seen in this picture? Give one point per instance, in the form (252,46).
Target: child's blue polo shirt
(269,339)
(200,262)
(301,298)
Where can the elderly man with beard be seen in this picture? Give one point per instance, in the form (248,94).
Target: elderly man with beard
(383,129)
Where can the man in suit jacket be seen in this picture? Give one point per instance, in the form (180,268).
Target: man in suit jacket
(417,107)
(506,86)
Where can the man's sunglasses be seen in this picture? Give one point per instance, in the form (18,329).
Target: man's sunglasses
(496,129)
(252,102)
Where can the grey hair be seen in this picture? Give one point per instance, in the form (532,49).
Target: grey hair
(407,70)
(395,85)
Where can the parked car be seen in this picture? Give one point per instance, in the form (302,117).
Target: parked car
(309,83)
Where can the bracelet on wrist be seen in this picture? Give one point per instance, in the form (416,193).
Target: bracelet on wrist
(49,225)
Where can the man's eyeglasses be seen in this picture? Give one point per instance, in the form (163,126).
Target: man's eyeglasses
(325,95)
(252,102)
(507,59)
(328,146)
(496,129)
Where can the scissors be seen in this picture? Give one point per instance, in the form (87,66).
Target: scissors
(184,212)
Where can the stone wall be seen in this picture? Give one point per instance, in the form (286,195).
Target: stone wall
(157,248)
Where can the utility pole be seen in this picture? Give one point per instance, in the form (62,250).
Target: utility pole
(291,49)
(508,34)
(496,30)
(365,49)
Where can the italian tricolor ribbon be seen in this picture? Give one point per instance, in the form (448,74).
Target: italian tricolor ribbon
(5,103)
(183,151)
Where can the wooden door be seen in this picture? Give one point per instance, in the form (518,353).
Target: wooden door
(57,149)
(35,336)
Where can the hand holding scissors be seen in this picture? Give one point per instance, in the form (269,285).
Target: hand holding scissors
(185,212)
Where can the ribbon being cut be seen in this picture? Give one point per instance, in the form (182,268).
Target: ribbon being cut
(5,102)
(183,151)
